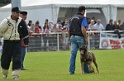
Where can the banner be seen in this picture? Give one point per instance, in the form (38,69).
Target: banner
(111,41)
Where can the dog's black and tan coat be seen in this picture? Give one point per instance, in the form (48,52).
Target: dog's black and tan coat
(87,58)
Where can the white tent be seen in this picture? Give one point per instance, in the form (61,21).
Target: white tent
(49,9)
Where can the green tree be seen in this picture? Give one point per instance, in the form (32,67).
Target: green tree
(5,1)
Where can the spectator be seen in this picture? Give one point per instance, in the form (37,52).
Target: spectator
(50,24)
(122,27)
(110,25)
(93,18)
(60,36)
(38,24)
(32,28)
(29,23)
(64,36)
(65,21)
(99,26)
(45,28)
(54,36)
(116,29)
(45,31)
(91,27)
(60,28)
(119,23)
(37,29)
(65,27)
(58,25)
(54,29)
(46,22)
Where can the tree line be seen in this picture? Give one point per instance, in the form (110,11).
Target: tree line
(5,1)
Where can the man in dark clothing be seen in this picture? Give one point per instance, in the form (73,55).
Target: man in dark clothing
(110,25)
(116,29)
(77,35)
(122,26)
(23,15)
(12,29)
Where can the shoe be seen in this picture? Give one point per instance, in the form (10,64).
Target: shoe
(15,77)
(72,73)
(4,76)
(5,73)
(23,69)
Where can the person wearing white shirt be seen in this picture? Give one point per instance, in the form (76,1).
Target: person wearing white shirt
(99,26)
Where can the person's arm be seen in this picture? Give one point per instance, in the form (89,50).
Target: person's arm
(83,29)
(102,27)
(3,27)
(24,33)
(68,32)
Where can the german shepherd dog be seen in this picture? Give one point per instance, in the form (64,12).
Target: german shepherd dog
(87,58)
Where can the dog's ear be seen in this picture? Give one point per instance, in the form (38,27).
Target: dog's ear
(81,48)
(85,46)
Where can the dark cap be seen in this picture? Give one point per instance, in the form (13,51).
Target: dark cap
(15,9)
(23,13)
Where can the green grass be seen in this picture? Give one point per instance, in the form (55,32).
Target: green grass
(53,66)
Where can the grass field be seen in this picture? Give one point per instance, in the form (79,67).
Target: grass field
(53,66)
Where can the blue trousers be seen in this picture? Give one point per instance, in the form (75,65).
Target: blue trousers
(76,43)
(23,52)
(86,69)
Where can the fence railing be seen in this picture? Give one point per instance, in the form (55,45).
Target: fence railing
(49,42)
(57,41)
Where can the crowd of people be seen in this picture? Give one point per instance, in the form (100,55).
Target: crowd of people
(115,26)
(46,29)
(62,26)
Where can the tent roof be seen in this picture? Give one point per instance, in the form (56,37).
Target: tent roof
(70,3)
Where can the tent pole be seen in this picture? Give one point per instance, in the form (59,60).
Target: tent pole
(16,3)
(52,13)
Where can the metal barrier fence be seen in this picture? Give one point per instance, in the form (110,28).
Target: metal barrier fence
(59,41)
(48,42)
(94,38)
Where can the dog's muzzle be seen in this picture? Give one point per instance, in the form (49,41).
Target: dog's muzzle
(83,50)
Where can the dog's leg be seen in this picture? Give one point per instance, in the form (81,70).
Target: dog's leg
(82,66)
(90,66)
(91,69)
(94,61)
